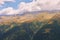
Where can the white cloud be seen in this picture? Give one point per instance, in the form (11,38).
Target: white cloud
(49,4)
(32,6)
(35,5)
(8,11)
(3,1)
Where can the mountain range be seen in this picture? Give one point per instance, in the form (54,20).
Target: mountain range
(44,25)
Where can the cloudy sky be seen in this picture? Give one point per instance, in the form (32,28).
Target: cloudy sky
(18,6)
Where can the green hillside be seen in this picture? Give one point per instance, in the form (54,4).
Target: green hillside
(23,31)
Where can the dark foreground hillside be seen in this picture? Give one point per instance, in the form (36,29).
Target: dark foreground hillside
(32,31)
(48,32)
(23,31)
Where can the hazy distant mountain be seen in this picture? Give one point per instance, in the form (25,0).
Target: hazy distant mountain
(27,12)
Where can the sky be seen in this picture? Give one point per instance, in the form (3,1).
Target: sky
(10,7)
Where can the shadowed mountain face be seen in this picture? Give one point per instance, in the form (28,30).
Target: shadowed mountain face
(43,26)
(48,32)
(20,32)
